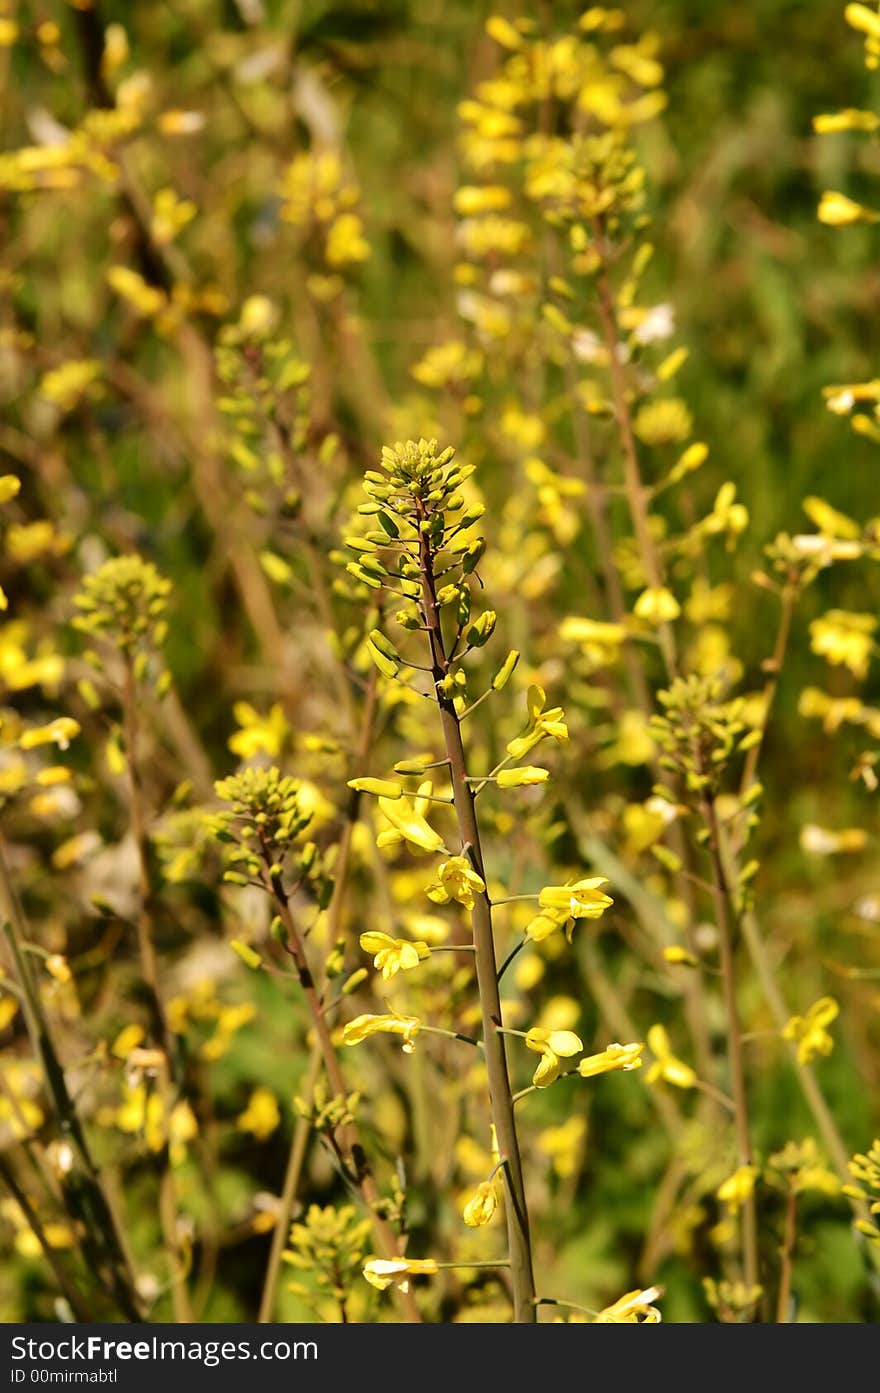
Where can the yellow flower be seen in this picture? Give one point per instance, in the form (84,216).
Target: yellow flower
(59,732)
(382,1272)
(522,778)
(625,1057)
(599,641)
(666,1066)
(564,1145)
(481,1206)
(837,210)
(844,638)
(635,1308)
(552,1046)
(393,954)
(262,1116)
(738,1188)
(809,1031)
(541,723)
(582,900)
(363,1026)
(408,823)
(258,734)
(657,605)
(456,880)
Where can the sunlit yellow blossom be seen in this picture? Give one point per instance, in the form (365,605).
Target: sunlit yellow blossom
(738,1188)
(552,1046)
(584,899)
(542,723)
(393,954)
(635,1308)
(613,1057)
(810,1030)
(258,734)
(456,880)
(845,639)
(657,605)
(481,1206)
(383,1272)
(524,777)
(407,825)
(666,1066)
(364,1026)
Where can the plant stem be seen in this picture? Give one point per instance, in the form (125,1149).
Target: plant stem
(721,895)
(783,1304)
(500,1096)
(349,1135)
(96,1207)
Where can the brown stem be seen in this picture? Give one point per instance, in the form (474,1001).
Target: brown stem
(722,899)
(500,1096)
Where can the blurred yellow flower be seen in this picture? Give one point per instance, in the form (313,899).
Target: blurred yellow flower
(810,1030)
(666,1065)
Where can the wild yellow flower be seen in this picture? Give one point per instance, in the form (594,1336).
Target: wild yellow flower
(657,605)
(481,1206)
(837,210)
(393,955)
(552,1046)
(363,1026)
(59,732)
(613,1057)
(810,1030)
(844,639)
(584,899)
(541,723)
(456,880)
(259,734)
(408,824)
(382,1272)
(666,1065)
(262,1116)
(635,1308)
(525,777)
(738,1188)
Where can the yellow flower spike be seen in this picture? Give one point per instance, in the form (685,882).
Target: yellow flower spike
(836,210)
(657,605)
(393,955)
(385,1272)
(666,1065)
(481,1206)
(362,1027)
(612,1058)
(407,825)
(635,1308)
(738,1188)
(810,1030)
(552,1046)
(456,880)
(541,723)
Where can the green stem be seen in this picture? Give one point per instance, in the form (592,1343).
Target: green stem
(500,1095)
